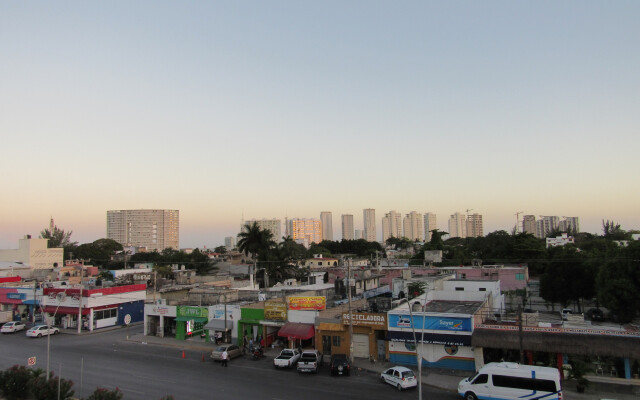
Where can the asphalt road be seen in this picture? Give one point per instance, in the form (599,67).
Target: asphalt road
(151,372)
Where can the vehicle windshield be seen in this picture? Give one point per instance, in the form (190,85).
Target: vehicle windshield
(221,348)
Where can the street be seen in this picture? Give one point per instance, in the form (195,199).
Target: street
(150,372)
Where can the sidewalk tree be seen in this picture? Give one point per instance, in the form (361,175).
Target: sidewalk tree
(57,237)
(618,288)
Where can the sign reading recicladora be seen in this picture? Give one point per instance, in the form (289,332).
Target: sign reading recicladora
(366,319)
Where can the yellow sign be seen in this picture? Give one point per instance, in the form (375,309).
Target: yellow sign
(307,303)
(275,310)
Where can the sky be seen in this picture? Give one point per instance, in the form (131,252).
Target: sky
(232,110)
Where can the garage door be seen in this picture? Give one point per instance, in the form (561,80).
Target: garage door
(361,345)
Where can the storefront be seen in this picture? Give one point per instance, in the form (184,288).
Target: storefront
(443,339)
(190,322)
(20,300)
(302,311)
(160,320)
(250,324)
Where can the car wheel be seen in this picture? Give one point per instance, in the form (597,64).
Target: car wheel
(39,334)
(56,332)
(470,396)
(382,379)
(399,387)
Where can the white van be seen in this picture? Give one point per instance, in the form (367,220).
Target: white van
(512,381)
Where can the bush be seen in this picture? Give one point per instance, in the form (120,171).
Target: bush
(14,382)
(44,389)
(106,394)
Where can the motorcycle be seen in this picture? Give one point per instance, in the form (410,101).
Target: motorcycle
(256,353)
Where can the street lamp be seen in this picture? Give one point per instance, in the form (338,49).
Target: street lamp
(415,341)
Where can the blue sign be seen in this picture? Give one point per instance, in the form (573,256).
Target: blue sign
(430,322)
(17,296)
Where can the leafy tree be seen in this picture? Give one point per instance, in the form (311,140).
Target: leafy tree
(220,249)
(613,231)
(399,243)
(47,389)
(416,288)
(255,240)
(57,237)
(15,382)
(618,284)
(436,242)
(568,277)
(317,249)
(99,251)
(106,394)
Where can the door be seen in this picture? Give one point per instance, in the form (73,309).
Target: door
(361,345)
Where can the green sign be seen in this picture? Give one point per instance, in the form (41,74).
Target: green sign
(188,311)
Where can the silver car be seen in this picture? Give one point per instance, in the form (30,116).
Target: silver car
(11,327)
(42,330)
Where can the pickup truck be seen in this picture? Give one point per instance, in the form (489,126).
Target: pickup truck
(309,361)
(287,358)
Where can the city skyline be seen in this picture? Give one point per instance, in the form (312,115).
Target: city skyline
(507,107)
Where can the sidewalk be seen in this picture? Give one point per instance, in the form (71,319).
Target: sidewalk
(599,388)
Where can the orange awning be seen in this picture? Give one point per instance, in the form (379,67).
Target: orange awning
(296,330)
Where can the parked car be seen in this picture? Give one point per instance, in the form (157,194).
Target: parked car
(233,351)
(42,330)
(400,377)
(13,326)
(564,313)
(309,361)
(595,314)
(339,364)
(287,358)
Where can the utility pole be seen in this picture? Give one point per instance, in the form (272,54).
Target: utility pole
(520,334)
(80,302)
(350,314)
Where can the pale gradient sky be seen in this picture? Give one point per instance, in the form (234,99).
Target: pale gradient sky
(288,108)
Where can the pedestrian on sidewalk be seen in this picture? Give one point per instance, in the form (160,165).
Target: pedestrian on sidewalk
(224,357)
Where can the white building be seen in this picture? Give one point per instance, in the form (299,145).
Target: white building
(151,229)
(347,227)
(327,225)
(369,220)
(413,226)
(458,225)
(559,240)
(546,225)
(229,243)
(33,253)
(272,225)
(305,231)
(569,224)
(429,225)
(391,225)
(475,226)
(529,224)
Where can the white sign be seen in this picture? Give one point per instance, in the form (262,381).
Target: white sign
(127,319)
(31,361)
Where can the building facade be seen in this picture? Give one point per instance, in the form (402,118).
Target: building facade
(305,230)
(570,224)
(529,224)
(391,225)
(458,225)
(369,220)
(230,243)
(429,225)
(474,225)
(348,232)
(413,226)
(327,225)
(34,253)
(546,225)
(151,229)
(272,225)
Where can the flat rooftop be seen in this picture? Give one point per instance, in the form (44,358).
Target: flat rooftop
(456,307)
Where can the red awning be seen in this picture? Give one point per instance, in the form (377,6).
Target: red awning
(296,330)
(72,310)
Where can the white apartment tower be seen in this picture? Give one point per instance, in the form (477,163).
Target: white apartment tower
(152,229)
(229,243)
(458,225)
(570,224)
(273,225)
(347,227)
(391,225)
(474,225)
(327,225)
(369,220)
(413,226)
(546,225)
(304,230)
(429,225)
(529,224)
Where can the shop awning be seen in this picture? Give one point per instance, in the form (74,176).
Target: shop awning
(297,330)
(196,319)
(328,326)
(217,324)
(64,310)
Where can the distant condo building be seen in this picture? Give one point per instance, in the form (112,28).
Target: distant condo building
(529,224)
(273,225)
(327,225)
(429,225)
(547,225)
(391,225)
(413,226)
(369,220)
(358,234)
(229,243)
(305,231)
(347,227)
(457,225)
(570,224)
(151,229)
(474,225)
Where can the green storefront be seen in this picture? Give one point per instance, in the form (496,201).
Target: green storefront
(250,323)
(190,322)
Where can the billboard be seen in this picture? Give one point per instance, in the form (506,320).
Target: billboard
(430,322)
(275,310)
(307,303)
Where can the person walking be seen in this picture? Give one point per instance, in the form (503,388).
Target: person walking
(224,357)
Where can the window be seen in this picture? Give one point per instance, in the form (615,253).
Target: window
(336,341)
(515,382)
(104,314)
(483,289)
(519,277)
(481,379)
(319,263)
(460,289)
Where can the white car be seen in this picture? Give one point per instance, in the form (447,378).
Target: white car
(400,377)
(11,327)
(42,330)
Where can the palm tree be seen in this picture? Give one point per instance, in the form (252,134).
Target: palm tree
(255,240)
